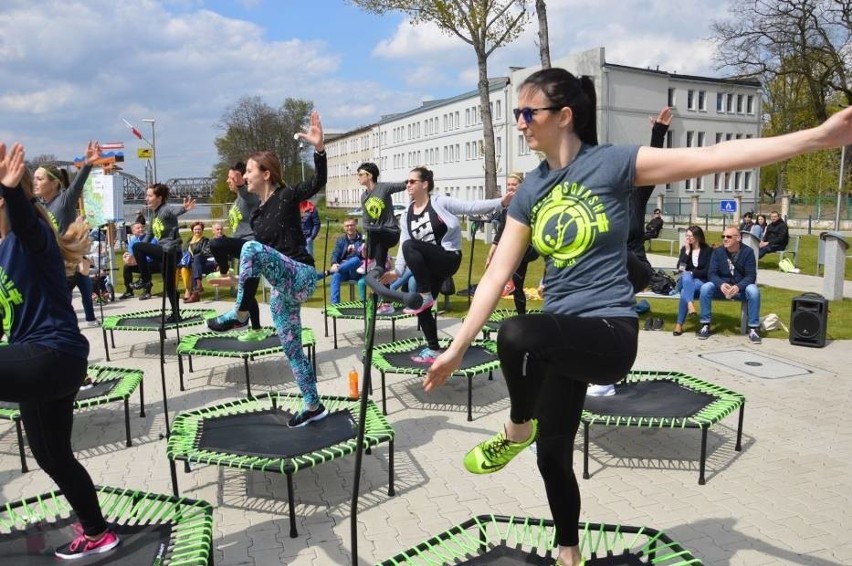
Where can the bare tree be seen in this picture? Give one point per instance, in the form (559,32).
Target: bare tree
(543,39)
(807,39)
(483,24)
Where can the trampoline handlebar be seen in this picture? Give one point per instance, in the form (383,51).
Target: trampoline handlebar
(410,300)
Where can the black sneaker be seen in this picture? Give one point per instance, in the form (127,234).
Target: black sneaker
(127,295)
(753,336)
(139,284)
(649,323)
(173,318)
(146,294)
(226,321)
(657,324)
(306,416)
(703,332)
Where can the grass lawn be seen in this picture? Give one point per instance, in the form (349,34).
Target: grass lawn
(725,316)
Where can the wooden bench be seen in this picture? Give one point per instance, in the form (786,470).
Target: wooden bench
(672,236)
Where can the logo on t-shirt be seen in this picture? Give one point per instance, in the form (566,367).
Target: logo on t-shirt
(566,222)
(10,297)
(374,206)
(157,228)
(234,217)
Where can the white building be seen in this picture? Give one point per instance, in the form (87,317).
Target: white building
(446,135)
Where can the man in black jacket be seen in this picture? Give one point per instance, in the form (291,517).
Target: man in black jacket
(775,237)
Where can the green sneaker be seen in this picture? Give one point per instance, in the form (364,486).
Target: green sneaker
(252,335)
(493,454)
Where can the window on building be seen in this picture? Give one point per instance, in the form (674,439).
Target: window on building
(671,98)
(699,140)
(498,146)
(670,138)
(717,182)
(720,102)
(750,104)
(699,184)
(458,122)
(702,100)
(690,99)
(718,137)
(690,138)
(728,182)
(740,108)
(747,181)
(523,148)
(730,103)
(499,109)
(688,185)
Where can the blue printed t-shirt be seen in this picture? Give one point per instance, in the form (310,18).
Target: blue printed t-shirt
(579,220)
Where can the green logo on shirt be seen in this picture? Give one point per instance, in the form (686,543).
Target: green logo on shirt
(374,207)
(157,228)
(234,217)
(566,222)
(10,297)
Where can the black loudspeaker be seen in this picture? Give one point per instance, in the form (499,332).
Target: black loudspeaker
(809,320)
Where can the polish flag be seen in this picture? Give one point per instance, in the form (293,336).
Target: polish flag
(133,130)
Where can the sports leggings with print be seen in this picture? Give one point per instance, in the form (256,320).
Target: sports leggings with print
(548,360)
(292,283)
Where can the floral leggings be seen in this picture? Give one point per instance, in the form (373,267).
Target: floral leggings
(292,283)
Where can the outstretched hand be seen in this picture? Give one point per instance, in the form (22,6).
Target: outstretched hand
(442,368)
(93,152)
(664,117)
(12,165)
(188,203)
(314,135)
(837,130)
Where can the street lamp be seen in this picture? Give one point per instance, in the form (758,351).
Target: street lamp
(152,121)
(302,159)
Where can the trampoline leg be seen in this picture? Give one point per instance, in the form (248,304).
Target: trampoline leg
(739,445)
(703,456)
(112,341)
(173,470)
(19,429)
(469,398)
(142,397)
(127,421)
(384,403)
(293,532)
(180,372)
(585,450)
(334,325)
(248,381)
(106,346)
(490,375)
(393,330)
(391,490)
(189,359)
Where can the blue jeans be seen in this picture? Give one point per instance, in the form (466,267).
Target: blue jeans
(84,283)
(407,281)
(751,297)
(689,288)
(346,271)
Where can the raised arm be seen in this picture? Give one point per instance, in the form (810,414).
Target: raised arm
(659,166)
(21,213)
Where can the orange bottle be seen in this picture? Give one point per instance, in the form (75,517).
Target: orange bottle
(353,384)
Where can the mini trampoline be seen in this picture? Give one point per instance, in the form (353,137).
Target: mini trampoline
(226,345)
(496,539)
(355,311)
(154,529)
(659,399)
(492,325)
(108,386)
(252,434)
(148,321)
(395,357)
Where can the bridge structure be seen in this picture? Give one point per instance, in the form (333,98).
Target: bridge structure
(180,187)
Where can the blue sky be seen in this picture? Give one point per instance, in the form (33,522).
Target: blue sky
(72,69)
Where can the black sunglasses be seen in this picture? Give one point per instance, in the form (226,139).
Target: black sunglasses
(528,112)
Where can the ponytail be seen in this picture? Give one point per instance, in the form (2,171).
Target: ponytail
(587,130)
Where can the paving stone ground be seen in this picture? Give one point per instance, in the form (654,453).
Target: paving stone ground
(785,499)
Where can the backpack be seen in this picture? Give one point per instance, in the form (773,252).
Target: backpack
(661,283)
(786,265)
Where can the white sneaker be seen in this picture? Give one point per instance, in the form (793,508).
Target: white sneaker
(93,323)
(600,390)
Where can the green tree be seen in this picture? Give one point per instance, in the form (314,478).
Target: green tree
(253,125)
(485,25)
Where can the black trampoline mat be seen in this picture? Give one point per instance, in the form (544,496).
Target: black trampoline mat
(140,545)
(473,357)
(505,556)
(662,399)
(99,389)
(153,321)
(232,344)
(266,434)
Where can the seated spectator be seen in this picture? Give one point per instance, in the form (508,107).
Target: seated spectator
(138,231)
(693,263)
(776,236)
(759,226)
(653,227)
(310,223)
(345,258)
(747,222)
(193,262)
(733,275)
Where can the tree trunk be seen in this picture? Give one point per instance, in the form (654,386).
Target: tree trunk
(490,160)
(543,39)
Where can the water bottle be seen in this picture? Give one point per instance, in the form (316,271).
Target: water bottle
(353,384)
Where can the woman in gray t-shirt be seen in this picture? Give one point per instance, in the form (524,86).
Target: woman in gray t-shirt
(573,209)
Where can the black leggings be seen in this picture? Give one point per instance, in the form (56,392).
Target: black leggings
(430,264)
(378,244)
(548,360)
(167,259)
(45,383)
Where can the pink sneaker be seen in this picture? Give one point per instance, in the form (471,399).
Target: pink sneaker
(426,356)
(82,547)
(427,304)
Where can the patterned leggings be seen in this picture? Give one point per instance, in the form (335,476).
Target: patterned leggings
(292,283)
